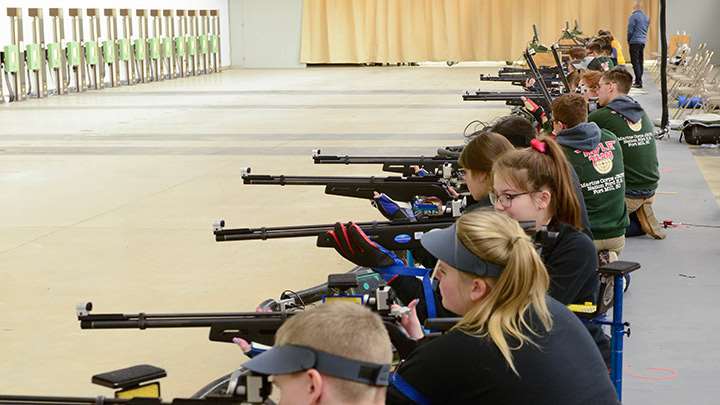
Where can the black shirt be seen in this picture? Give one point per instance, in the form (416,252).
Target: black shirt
(572,264)
(457,368)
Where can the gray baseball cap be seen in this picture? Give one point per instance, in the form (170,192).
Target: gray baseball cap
(444,245)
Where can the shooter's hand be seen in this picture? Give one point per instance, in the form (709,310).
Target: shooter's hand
(352,243)
(410,321)
(390,208)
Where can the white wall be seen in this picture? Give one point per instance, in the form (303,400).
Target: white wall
(221,5)
(699,18)
(266,33)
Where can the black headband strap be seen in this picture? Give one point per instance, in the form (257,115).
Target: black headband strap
(349,369)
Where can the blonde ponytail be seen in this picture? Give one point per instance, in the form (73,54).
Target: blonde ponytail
(522,285)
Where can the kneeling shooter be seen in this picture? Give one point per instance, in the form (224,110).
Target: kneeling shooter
(625,118)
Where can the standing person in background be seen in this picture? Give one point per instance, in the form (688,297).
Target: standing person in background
(637,32)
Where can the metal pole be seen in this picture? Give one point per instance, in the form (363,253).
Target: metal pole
(181,42)
(2,96)
(192,41)
(141,45)
(38,28)
(16,54)
(169,58)
(129,56)
(112,36)
(618,334)
(60,70)
(156,61)
(204,51)
(217,56)
(77,27)
(664,120)
(96,65)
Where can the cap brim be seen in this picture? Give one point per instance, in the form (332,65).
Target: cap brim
(445,246)
(282,360)
(439,242)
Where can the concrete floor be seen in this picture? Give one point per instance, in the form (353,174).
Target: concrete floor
(109,197)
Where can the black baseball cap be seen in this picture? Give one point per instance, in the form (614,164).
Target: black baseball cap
(444,245)
(287,359)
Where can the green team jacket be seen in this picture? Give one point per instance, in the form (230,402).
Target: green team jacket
(597,159)
(638,147)
(601,64)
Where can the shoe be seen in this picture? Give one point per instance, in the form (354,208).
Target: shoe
(637,86)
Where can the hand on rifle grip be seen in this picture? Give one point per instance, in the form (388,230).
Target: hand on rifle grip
(354,245)
(537,111)
(390,208)
(410,321)
(243,344)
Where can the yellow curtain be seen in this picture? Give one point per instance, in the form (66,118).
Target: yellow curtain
(392,31)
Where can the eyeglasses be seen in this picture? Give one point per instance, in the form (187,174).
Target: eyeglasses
(505,199)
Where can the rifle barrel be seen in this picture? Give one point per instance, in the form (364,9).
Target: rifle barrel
(191,320)
(321,180)
(45,400)
(410,160)
(223,235)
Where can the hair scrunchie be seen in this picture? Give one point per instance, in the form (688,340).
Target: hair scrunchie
(538,145)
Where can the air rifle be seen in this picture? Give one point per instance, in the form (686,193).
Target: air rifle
(535,42)
(553,77)
(566,84)
(542,97)
(439,166)
(252,326)
(513,98)
(519,79)
(46,400)
(516,70)
(396,187)
(393,235)
(259,327)
(135,386)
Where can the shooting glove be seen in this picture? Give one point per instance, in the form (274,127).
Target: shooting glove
(537,112)
(352,243)
(390,208)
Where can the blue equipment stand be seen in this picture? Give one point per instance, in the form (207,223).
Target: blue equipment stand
(618,327)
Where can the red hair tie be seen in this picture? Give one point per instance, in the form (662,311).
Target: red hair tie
(538,145)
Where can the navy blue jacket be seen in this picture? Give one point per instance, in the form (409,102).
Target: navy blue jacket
(638,24)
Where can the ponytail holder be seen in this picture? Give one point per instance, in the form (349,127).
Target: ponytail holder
(538,145)
(515,239)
